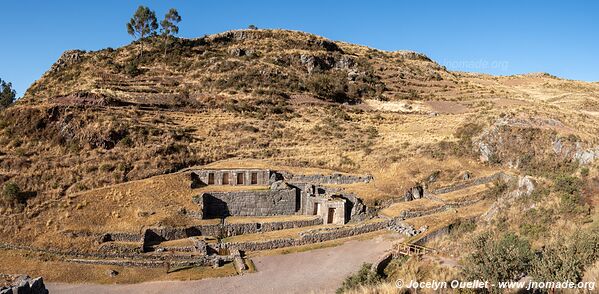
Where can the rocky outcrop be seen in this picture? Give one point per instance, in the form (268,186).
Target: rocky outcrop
(413,193)
(24,285)
(67,58)
(500,143)
(526,185)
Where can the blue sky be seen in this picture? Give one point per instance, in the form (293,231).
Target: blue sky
(497,37)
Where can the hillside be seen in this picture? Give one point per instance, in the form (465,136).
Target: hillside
(108,125)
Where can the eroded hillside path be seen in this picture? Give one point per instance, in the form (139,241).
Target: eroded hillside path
(315,271)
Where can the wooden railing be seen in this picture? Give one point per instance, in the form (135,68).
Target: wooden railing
(412,249)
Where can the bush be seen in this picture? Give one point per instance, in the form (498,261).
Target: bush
(504,258)
(535,222)
(584,171)
(132,69)
(566,259)
(499,188)
(11,192)
(329,87)
(569,190)
(127,142)
(363,277)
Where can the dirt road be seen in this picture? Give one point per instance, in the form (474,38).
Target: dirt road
(316,271)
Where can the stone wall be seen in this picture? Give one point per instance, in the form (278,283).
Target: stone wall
(73,254)
(121,237)
(197,261)
(156,235)
(231,177)
(474,182)
(249,203)
(335,178)
(308,237)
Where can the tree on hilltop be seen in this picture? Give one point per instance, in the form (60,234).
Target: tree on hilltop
(169,26)
(7,94)
(142,24)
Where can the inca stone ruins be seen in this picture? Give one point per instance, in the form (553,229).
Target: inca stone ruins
(241,210)
(285,194)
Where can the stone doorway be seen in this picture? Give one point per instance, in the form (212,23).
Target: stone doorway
(240,179)
(331,215)
(210,179)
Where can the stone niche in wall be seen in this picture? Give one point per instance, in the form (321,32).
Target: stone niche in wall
(233,177)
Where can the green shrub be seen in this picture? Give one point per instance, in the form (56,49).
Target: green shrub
(569,190)
(363,277)
(127,142)
(584,171)
(132,69)
(329,87)
(11,192)
(535,222)
(503,258)
(566,259)
(499,188)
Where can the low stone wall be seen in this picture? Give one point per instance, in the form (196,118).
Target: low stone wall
(473,182)
(448,205)
(76,254)
(274,226)
(200,261)
(433,235)
(335,179)
(119,249)
(159,234)
(121,237)
(327,234)
(308,237)
(381,263)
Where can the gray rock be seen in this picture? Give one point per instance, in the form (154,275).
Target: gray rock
(466,176)
(38,286)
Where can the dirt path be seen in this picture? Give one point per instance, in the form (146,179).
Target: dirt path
(316,271)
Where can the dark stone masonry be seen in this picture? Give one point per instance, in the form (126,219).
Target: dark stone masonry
(248,203)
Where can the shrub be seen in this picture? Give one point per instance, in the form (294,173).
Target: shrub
(584,171)
(569,190)
(11,192)
(535,222)
(566,259)
(328,87)
(503,258)
(499,188)
(127,142)
(363,277)
(132,69)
